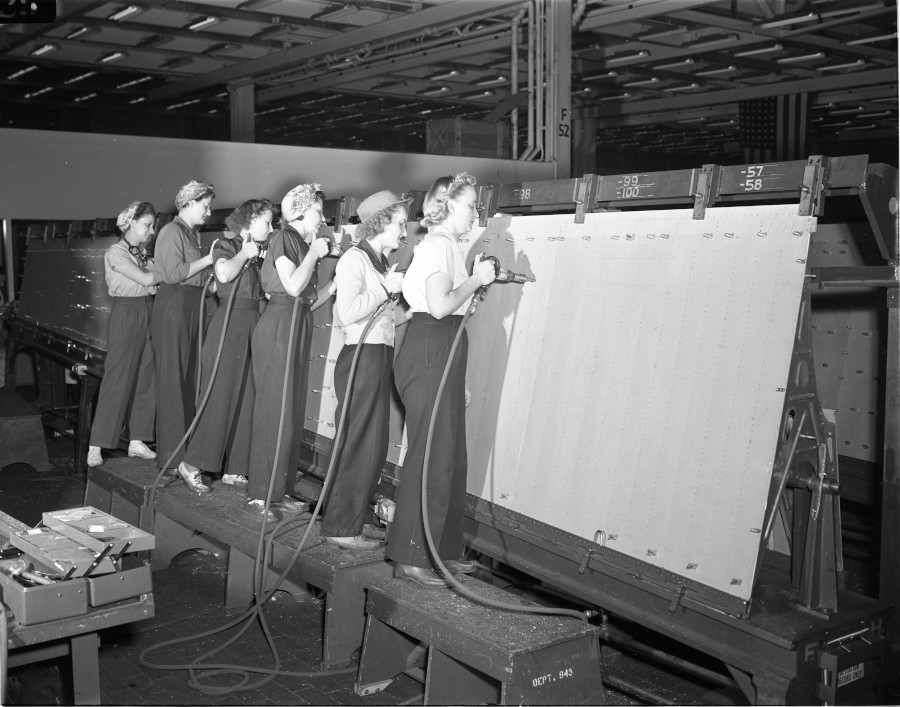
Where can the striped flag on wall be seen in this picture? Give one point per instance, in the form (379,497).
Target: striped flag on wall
(774,129)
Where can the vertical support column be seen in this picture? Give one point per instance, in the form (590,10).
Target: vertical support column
(889,589)
(558,80)
(584,146)
(8,264)
(242,104)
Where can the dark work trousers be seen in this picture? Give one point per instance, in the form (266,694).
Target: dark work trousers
(417,372)
(217,425)
(271,372)
(366,434)
(173,326)
(128,387)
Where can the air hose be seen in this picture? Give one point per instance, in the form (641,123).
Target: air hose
(265,547)
(461,588)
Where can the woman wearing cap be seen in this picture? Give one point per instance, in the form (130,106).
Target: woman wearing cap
(438,289)
(364,282)
(235,265)
(176,318)
(289,277)
(129,376)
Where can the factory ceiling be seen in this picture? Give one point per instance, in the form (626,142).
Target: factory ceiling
(370,74)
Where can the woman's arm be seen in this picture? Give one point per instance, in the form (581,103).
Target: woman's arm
(354,300)
(295,278)
(229,268)
(171,257)
(442,299)
(133,272)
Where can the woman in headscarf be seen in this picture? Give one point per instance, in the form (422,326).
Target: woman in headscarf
(129,375)
(236,265)
(289,278)
(438,289)
(364,282)
(175,321)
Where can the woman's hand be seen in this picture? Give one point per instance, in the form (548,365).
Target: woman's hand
(249,249)
(393,280)
(320,246)
(484,270)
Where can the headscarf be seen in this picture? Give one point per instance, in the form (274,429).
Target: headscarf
(298,200)
(127,216)
(193,191)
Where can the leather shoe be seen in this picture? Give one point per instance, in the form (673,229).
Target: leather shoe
(461,566)
(192,478)
(256,507)
(358,542)
(373,531)
(425,576)
(290,506)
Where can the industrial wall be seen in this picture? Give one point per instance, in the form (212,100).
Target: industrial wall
(58,175)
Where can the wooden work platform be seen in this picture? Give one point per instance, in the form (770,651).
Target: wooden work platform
(76,636)
(477,654)
(219,522)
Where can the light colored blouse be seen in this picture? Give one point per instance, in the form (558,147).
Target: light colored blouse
(118,284)
(438,252)
(360,289)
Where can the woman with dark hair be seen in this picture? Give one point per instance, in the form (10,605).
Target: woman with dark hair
(438,289)
(129,376)
(289,278)
(175,320)
(236,265)
(364,282)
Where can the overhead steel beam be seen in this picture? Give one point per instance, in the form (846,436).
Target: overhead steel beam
(636,10)
(331,79)
(707,98)
(66,12)
(397,28)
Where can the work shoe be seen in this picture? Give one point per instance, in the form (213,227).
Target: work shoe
(461,566)
(257,507)
(192,478)
(95,458)
(354,542)
(290,506)
(136,448)
(373,531)
(239,481)
(421,575)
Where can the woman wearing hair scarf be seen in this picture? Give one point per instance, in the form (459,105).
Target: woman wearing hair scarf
(438,289)
(288,276)
(236,266)
(129,376)
(175,320)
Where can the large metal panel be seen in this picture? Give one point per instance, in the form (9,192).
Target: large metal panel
(637,387)
(64,288)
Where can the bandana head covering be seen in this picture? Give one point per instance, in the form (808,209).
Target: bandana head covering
(127,216)
(298,200)
(193,191)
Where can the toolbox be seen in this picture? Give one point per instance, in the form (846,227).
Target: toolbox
(80,558)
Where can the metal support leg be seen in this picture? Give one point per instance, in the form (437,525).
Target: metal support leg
(385,654)
(449,682)
(86,669)
(88,387)
(889,588)
(239,582)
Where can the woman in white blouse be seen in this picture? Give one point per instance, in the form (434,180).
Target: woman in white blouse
(438,289)
(365,282)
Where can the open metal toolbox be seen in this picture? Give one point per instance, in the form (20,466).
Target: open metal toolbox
(86,559)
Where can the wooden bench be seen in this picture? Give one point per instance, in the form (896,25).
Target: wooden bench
(186,520)
(476,654)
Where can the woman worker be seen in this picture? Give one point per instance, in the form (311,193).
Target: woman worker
(176,318)
(129,376)
(289,278)
(438,289)
(235,265)
(364,282)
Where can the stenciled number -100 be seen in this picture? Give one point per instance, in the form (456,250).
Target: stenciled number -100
(631,186)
